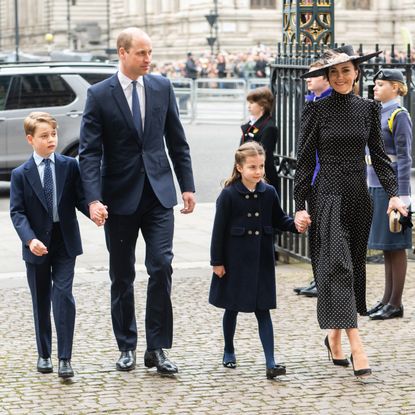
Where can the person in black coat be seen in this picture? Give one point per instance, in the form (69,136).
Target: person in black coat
(261,128)
(242,251)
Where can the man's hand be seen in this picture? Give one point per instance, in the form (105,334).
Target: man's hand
(37,247)
(98,213)
(189,201)
(219,270)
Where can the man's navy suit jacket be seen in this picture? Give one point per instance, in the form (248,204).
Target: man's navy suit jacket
(29,212)
(115,157)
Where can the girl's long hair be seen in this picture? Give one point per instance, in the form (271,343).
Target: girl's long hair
(248,149)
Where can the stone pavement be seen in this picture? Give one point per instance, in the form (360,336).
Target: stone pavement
(312,386)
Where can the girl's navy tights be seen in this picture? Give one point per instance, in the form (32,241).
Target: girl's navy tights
(266,334)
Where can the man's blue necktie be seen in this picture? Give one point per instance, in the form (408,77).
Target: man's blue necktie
(48,186)
(136,109)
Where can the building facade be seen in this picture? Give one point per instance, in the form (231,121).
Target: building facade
(180,26)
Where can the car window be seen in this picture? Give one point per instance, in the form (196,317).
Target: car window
(93,78)
(35,91)
(4,89)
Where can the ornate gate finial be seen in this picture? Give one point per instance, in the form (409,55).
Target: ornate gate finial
(308,22)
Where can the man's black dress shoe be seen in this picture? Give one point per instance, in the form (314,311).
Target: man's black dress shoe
(375,308)
(310,291)
(44,365)
(386,312)
(65,369)
(126,361)
(157,358)
(299,289)
(277,370)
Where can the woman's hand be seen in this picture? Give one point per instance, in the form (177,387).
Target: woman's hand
(396,203)
(302,220)
(219,270)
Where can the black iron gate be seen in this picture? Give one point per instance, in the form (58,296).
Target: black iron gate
(289,90)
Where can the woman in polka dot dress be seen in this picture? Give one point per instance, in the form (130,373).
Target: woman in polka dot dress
(339,206)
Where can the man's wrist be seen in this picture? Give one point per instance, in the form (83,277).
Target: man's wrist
(94,202)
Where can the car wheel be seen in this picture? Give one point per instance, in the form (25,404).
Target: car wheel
(73,152)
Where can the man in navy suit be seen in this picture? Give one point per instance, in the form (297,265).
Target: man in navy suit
(128,122)
(44,192)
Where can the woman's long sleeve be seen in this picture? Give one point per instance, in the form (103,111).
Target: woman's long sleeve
(306,155)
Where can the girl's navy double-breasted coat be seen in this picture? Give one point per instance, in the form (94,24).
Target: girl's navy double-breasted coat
(243,242)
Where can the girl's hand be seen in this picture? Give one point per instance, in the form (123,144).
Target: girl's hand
(301,228)
(396,203)
(219,270)
(302,220)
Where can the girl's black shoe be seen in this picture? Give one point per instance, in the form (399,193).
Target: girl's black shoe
(277,370)
(337,362)
(229,360)
(361,373)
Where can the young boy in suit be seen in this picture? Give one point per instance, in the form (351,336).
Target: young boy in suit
(44,192)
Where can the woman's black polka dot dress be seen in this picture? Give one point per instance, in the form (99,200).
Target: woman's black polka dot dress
(338,128)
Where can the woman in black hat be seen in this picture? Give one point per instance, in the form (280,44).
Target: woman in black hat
(339,127)
(397,137)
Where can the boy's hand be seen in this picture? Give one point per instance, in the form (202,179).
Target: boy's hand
(219,270)
(37,247)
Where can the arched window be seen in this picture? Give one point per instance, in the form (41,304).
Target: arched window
(263,4)
(358,4)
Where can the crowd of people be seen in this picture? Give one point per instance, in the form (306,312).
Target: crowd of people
(250,64)
(253,63)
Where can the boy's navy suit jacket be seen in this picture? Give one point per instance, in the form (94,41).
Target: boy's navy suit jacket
(28,208)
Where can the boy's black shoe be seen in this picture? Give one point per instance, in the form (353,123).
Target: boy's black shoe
(277,370)
(44,365)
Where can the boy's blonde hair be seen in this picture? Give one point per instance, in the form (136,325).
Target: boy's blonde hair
(249,149)
(35,118)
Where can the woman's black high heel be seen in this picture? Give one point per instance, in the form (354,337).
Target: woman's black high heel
(337,362)
(361,373)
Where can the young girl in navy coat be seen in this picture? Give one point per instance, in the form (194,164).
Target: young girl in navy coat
(242,251)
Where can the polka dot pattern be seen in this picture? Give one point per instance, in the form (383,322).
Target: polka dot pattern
(338,128)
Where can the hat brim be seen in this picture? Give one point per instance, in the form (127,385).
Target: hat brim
(356,59)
